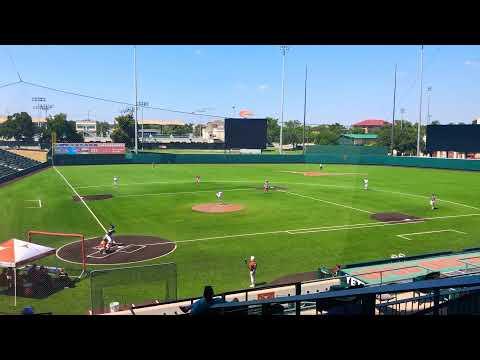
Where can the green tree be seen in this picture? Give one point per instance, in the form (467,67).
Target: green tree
(18,126)
(64,129)
(102,128)
(292,133)
(197,130)
(404,139)
(124,130)
(326,134)
(435,122)
(273,130)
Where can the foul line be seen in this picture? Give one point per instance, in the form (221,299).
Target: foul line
(325,201)
(427,197)
(404,236)
(325,228)
(183,192)
(81,199)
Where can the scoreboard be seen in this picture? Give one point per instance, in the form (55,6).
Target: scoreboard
(89,148)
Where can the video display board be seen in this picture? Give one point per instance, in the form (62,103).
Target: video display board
(245,133)
(460,138)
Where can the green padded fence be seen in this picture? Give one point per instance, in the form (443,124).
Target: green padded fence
(347,150)
(357,155)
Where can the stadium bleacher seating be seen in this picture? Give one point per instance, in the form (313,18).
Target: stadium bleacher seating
(11,163)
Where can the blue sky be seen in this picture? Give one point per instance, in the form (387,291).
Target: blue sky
(346,83)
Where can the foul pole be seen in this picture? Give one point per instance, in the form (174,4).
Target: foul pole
(305,108)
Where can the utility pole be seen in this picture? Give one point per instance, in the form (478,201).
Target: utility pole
(402,112)
(420,105)
(393,113)
(305,108)
(283,49)
(136,96)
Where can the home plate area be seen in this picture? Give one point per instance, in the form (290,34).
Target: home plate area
(131,248)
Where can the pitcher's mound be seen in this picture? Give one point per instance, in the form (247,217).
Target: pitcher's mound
(387,217)
(217,208)
(93,197)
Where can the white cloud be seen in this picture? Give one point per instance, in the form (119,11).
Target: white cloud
(472,62)
(263,87)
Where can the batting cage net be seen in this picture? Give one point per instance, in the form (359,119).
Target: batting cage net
(121,288)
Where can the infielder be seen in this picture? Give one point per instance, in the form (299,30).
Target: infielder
(115,180)
(197,179)
(433,202)
(365,184)
(220,197)
(252,268)
(266,186)
(321,166)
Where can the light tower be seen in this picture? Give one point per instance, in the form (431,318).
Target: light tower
(142,104)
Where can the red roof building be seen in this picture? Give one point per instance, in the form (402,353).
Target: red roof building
(371,124)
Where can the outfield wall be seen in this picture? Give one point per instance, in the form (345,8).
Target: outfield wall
(312,158)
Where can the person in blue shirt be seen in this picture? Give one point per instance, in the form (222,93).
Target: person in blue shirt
(200,307)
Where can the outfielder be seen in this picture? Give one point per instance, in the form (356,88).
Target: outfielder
(433,202)
(252,268)
(197,179)
(321,166)
(115,180)
(365,184)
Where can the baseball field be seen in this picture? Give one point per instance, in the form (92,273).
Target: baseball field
(310,218)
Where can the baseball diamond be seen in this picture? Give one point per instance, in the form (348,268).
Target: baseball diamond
(307,223)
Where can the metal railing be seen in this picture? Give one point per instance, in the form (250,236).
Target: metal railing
(364,300)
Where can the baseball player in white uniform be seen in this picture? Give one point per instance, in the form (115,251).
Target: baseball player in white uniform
(220,196)
(115,180)
(252,268)
(365,184)
(107,241)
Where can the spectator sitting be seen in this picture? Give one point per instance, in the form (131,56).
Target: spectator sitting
(28,311)
(200,307)
(44,278)
(32,274)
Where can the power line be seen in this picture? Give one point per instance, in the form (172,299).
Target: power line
(10,84)
(119,102)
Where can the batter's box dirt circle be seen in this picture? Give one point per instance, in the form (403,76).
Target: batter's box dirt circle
(133,248)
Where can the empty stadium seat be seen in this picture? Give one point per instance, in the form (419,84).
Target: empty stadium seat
(11,163)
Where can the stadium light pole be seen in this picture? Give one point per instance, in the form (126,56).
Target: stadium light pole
(283,49)
(420,105)
(429,92)
(38,100)
(142,104)
(305,108)
(393,113)
(136,96)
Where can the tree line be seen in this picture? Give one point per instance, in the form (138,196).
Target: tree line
(404,139)
(20,127)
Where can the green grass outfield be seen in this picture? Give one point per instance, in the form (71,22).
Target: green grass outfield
(318,221)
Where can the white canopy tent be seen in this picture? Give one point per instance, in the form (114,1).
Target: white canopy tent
(15,253)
